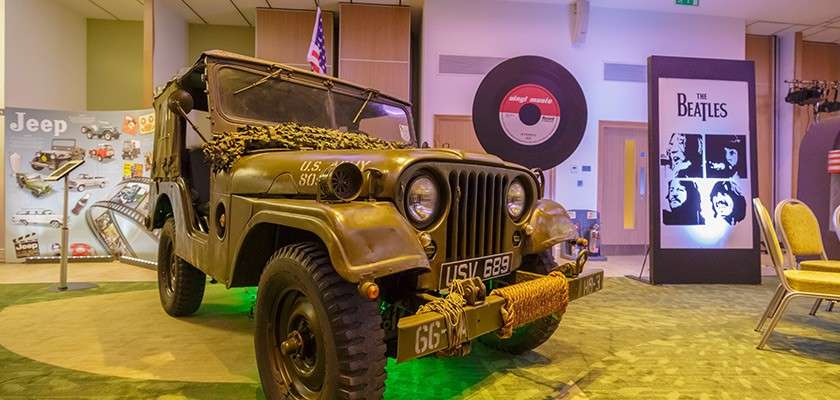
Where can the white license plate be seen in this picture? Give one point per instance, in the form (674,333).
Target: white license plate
(486,267)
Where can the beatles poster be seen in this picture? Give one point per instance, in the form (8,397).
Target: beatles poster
(702,138)
(704,175)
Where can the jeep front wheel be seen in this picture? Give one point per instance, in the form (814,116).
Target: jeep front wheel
(532,335)
(181,286)
(316,337)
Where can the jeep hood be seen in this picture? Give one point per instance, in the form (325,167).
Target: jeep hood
(279,172)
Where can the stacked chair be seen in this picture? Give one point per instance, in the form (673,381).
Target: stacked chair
(801,236)
(819,281)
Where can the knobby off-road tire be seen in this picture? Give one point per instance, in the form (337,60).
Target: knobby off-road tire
(181,286)
(530,336)
(342,352)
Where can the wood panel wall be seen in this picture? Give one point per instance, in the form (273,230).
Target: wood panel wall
(814,61)
(283,35)
(374,44)
(148,52)
(762,51)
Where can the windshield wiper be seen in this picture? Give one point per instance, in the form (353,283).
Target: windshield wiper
(260,81)
(371,93)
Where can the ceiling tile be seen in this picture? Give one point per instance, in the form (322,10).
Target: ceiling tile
(766,28)
(131,10)
(183,8)
(85,8)
(826,35)
(218,12)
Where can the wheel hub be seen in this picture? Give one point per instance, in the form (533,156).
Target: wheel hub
(298,346)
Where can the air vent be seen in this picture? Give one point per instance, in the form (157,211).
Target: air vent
(625,72)
(469,65)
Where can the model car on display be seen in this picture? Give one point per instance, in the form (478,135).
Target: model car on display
(83,181)
(61,151)
(76,250)
(102,152)
(131,149)
(363,245)
(37,216)
(102,131)
(34,183)
(80,204)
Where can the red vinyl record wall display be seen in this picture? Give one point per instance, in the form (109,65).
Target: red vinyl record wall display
(531,111)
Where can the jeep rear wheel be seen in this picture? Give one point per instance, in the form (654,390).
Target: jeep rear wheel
(80,188)
(316,337)
(181,286)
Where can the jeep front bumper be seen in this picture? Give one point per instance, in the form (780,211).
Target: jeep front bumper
(423,334)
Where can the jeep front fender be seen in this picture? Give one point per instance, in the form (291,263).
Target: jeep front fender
(365,240)
(550,224)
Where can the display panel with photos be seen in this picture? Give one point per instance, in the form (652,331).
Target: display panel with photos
(704,174)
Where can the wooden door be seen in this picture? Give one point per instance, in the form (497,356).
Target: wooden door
(623,186)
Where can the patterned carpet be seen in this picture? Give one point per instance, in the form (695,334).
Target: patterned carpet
(629,341)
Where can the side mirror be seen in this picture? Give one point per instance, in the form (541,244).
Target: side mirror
(183,99)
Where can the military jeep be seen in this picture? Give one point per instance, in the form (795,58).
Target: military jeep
(61,151)
(363,244)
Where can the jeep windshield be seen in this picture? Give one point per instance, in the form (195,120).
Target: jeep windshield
(256,98)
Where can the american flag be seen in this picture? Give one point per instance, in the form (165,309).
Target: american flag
(834,162)
(317,55)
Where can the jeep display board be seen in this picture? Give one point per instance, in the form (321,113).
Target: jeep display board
(363,244)
(107,212)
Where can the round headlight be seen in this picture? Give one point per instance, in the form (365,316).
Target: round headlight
(422,199)
(516,199)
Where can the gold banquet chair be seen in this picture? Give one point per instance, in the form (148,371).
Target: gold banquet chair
(793,283)
(801,236)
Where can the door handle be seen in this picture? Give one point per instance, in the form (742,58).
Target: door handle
(642,182)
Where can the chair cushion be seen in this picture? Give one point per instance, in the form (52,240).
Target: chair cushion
(814,282)
(820,265)
(801,229)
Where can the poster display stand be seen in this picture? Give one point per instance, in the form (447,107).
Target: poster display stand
(61,173)
(702,136)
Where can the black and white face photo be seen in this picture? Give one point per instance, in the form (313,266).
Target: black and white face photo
(726,156)
(728,202)
(683,156)
(684,204)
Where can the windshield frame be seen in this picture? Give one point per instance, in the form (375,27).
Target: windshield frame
(224,121)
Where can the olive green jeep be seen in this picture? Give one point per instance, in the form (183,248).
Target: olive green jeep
(363,244)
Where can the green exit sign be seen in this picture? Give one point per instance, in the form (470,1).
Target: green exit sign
(695,3)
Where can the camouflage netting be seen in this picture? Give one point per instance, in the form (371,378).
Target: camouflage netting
(225,148)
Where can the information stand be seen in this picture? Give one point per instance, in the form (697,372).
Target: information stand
(61,173)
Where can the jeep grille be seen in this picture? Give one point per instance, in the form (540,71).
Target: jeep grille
(477,215)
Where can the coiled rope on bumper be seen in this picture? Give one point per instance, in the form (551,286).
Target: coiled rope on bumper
(531,300)
(452,309)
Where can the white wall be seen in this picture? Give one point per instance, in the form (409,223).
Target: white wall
(784,116)
(508,29)
(45,44)
(171,42)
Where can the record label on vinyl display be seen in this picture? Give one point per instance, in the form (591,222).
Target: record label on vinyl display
(529,114)
(531,111)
